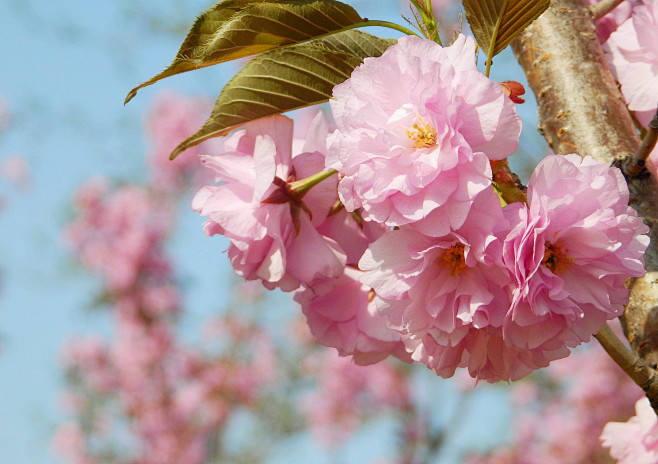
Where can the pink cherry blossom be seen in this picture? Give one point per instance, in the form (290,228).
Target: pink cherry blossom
(444,293)
(635,441)
(483,352)
(634,56)
(444,283)
(416,129)
(570,252)
(351,233)
(341,314)
(275,241)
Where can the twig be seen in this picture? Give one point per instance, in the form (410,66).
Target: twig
(602,8)
(639,371)
(636,163)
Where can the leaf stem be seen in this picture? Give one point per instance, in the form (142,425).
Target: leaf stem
(365,23)
(304,185)
(426,22)
(376,22)
(492,44)
(604,7)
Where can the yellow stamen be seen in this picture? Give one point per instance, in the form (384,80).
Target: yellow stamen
(453,258)
(423,135)
(555,259)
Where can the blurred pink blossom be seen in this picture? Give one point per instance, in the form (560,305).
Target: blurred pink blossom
(120,234)
(172,397)
(16,170)
(443,10)
(559,414)
(348,393)
(70,442)
(171,119)
(89,354)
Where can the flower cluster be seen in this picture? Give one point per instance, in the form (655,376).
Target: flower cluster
(403,245)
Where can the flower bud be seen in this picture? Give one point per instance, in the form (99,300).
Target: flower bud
(513,89)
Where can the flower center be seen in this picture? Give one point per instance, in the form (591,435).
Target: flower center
(453,259)
(422,134)
(554,258)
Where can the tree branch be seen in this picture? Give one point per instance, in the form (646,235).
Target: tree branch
(641,373)
(581,111)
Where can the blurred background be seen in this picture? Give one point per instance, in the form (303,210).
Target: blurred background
(125,336)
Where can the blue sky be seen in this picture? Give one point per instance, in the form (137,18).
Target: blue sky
(66,68)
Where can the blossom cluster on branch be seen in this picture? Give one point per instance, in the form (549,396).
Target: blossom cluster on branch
(404,244)
(397,223)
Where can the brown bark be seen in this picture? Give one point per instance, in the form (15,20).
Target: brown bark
(582,111)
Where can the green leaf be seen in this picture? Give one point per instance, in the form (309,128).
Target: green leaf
(495,23)
(238,28)
(286,79)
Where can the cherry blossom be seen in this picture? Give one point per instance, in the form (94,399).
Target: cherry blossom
(341,314)
(420,152)
(272,229)
(438,290)
(570,252)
